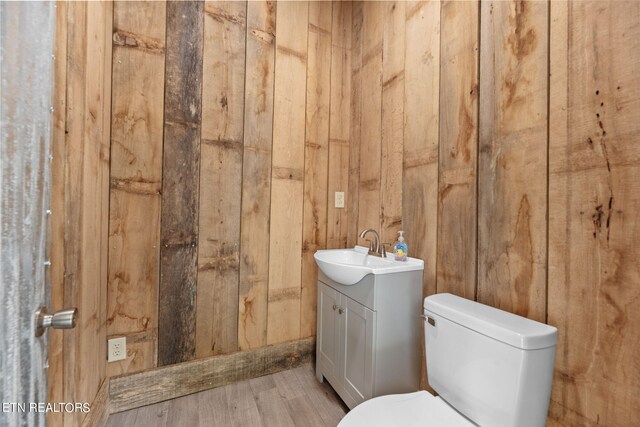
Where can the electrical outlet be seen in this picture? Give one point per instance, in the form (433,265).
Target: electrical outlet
(339,199)
(117,349)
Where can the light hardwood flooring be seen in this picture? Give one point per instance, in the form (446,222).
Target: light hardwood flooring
(287,398)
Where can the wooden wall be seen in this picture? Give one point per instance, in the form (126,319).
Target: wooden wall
(80,202)
(501,136)
(136,178)
(519,159)
(230,129)
(512,157)
(594,201)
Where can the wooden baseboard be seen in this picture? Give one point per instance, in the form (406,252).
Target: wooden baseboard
(169,382)
(100,410)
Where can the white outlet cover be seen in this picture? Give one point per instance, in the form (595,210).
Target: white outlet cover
(117,349)
(339,199)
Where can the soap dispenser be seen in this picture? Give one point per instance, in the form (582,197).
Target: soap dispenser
(400,248)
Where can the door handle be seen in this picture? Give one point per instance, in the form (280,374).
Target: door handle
(63,319)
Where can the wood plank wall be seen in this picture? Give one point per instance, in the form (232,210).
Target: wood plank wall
(229,118)
(256,171)
(231,132)
(316,159)
(287,172)
(421,135)
(517,198)
(136,179)
(339,121)
(594,205)
(355,127)
(179,233)
(80,202)
(457,157)
(512,157)
(220,178)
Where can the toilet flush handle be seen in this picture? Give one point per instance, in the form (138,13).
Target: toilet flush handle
(429,319)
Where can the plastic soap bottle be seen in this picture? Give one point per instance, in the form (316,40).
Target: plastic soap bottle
(400,248)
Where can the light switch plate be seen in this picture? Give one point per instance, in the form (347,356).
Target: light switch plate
(339,199)
(117,349)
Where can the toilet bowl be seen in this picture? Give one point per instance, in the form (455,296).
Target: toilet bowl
(489,368)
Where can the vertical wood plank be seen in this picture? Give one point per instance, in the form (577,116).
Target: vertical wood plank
(180,182)
(353,202)
(73,177)
(559,199)
(55,376)
(87,191)
(314,225)
(594,200)
(136,171)
(392,126)
(94,203)
(256,174)
(456,263)
(103,158)
(339,123)
(369,210)
(220,177)
(512,164)
(287,172)
(421,132)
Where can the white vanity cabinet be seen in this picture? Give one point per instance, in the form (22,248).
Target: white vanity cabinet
(368,337)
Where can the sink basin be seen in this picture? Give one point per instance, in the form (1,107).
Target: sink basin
(349,266)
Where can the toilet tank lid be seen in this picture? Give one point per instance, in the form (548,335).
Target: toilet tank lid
(509,328)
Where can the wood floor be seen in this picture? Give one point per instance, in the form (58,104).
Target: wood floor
(288,398)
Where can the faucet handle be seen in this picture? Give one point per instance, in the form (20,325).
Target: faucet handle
(382,250)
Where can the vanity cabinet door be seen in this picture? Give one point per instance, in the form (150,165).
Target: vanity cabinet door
(329,334)
(357,347)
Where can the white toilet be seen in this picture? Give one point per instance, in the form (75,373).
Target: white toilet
(489,367)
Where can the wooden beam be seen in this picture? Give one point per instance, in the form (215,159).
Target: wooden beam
(316,158)
(594,200)
(170,382)
(136,178)
(256,175)
(285,246)
(512,165)
(180,183)
(457,215)
(221,177)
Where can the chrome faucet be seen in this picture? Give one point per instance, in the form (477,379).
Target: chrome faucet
(375,248)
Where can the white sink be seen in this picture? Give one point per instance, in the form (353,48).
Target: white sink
(349,266)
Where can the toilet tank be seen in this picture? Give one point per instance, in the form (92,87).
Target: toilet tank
(492,366)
